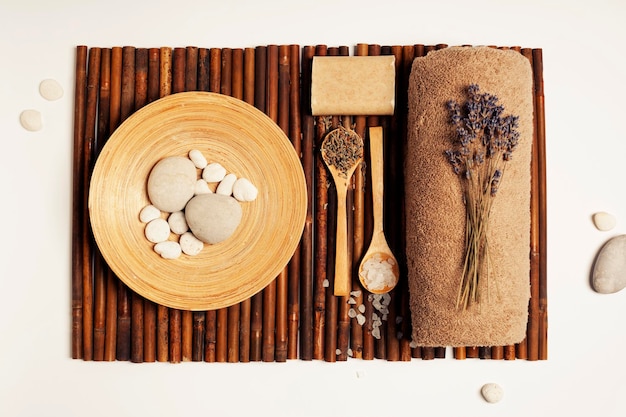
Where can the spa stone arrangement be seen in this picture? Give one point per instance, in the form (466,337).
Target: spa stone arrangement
(481,124)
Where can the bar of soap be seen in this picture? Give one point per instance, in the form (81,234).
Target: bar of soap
(353,85)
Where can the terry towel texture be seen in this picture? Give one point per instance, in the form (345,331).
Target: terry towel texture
(435,212)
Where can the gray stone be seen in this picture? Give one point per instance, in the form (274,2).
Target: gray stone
(171,183)
(213,218)
(609,272)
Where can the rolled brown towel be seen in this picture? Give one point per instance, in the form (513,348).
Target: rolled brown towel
(435,210)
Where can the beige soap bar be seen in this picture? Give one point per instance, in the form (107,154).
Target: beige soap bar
(353,85)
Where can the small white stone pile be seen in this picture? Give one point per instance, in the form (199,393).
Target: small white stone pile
(184,213)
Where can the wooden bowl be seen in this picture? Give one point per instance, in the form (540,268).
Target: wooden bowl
(247,143)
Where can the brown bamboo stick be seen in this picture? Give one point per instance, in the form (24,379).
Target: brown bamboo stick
(278,61)
(150,332)
(175,335)
(100,266)
(234,311)
(295,132)
(509,352)
(320,281)
(471,351)
(440,352)
(274,294)
(80,97)
(111,330)
(306,282)
(189,337)
(541,174)
(256,320)
(149,307)
(221,348)
(246,305)
(210,336)
(137,310)
(532,331)
(204,58)
(163,326)
(179,73)
(191,72)
(93,77)
(197,351)
(497,352)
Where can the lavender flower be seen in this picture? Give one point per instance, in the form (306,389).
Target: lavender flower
(484,142)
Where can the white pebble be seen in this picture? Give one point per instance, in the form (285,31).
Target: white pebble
(190,244)
(177,222)
(491,392)
(197,158)
(244,190)
(50,90)
(157,230)
(226,185)
(168,249)
(604,221)
(202,187)
(31,120)
(149,213)
(213,172)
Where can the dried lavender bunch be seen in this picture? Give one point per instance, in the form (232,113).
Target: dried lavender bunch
(484,142)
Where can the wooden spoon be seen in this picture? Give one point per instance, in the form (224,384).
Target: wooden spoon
(379,269)
(342,152)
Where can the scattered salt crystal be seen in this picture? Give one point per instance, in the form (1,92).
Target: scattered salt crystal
(413,344)
(338,351)
(50,89)
(398,319)
(361,374)
(351,301)
(360,318)
(350,353)
(399,335)
(31,120)
(325,283)
(386,298)
(356,293)
(352,313)
(376,332)
(361,308)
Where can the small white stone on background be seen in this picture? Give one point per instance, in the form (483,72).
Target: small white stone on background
(50,89)
(604,221)
(177,222)
(157,230)
(213,172)
(149,213)
(225,186)
(609,271)
(492,392)
(213,218)
(197,158)
(168,249)
(189,244)
(31,120)
(361,374)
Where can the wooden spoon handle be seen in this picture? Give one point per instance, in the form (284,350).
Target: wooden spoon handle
(376,156)
(343,277)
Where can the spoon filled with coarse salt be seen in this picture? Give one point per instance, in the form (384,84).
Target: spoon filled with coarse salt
(378,271)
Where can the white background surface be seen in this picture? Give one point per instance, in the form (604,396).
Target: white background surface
(584,68)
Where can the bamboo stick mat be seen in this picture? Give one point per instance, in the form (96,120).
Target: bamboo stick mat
(296,316)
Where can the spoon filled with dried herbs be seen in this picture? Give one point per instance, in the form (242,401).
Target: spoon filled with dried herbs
(378,271)
(342,152)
